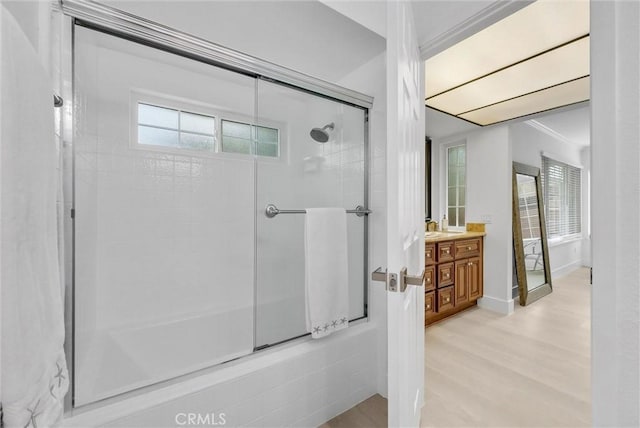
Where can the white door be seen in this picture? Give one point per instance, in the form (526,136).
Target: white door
(405,216)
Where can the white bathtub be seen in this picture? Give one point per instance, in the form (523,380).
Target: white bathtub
(303,383)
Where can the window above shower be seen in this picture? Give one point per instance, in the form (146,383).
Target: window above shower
(166,127)
(174,128)
(239,137)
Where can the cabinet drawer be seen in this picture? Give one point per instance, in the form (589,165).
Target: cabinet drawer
(467,248)
(429,254)
(445,299)
(429,303)
(445,274)
(445,251)
(429,278)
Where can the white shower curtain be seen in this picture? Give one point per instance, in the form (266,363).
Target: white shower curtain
(34,376)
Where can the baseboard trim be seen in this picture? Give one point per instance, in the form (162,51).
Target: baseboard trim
(565,269)
(504,307)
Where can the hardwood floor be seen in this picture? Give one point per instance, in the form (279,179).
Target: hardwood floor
(530,369)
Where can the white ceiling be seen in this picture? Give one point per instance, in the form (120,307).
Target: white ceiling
(436,17)
(439,125)
(570,125)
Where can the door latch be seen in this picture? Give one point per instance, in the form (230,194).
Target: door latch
(390,279)
(397,284)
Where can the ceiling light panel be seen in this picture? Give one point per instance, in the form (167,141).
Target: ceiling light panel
(534,29)
(558,96)
(560,65)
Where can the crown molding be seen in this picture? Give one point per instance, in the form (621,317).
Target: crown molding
(488,16)
(550,132)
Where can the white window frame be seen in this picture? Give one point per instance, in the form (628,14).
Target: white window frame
(219,114)
(445,171)
(560,239)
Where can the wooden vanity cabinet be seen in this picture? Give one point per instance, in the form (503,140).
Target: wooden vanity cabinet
(458,274)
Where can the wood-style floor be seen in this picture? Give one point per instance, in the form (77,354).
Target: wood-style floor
(530,369)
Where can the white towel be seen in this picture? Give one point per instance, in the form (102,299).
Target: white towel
(34,373)
(326,271)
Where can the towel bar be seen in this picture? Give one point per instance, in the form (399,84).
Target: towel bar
(271,211)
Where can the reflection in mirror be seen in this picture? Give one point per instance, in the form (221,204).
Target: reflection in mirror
(530,227)
(529,235)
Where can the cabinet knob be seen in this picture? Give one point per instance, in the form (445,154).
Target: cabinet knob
(470,263)
(446,275)
(429,280)
(428,306)
(446,251)
(447,299)
(428,253)
(469,248)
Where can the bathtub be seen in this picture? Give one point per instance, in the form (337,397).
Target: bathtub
(302,383)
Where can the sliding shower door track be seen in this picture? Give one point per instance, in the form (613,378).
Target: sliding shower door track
(114,21)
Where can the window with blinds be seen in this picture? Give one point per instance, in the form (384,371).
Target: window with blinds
(561,186)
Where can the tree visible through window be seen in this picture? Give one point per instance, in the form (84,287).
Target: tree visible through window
(562,188)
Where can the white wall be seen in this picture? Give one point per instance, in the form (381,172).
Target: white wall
(528,142)
(488,196)
(615,132)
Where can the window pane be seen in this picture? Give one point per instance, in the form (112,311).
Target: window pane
(197,123)
(267,135)
(461,156)
(453,157)
(461,196)
(268,150)
(237,130)
(452,196)
(452,217)
(157,137)
(196,141)
(157,116)
(461,215)
(236,145)
(453,177)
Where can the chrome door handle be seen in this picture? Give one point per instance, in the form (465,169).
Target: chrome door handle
(379,275)
(410,279)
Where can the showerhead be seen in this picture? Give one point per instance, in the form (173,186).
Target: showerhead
(320,134)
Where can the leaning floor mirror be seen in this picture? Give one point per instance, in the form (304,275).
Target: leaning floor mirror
(530,235)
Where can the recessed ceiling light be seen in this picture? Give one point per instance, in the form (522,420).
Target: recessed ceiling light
(534,60)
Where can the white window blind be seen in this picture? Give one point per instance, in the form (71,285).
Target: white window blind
(561,185)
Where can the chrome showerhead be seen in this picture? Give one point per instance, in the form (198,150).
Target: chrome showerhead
(321,135)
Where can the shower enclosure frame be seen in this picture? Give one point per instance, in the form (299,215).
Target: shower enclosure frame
(117,23)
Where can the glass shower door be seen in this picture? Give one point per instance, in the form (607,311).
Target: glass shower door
(304,173)
(164,216)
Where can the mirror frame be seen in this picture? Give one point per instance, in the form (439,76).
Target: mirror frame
(529,296)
